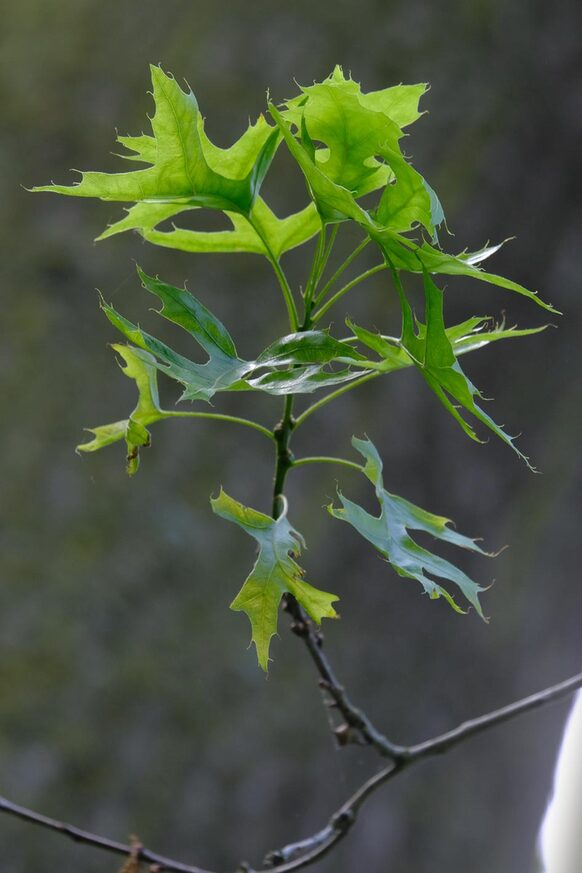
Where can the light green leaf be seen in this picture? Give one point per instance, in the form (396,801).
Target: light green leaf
(281,234)
(141,367)
(334,202)
(361,148)
(389,534)
(186,166)
(355,128)
(275,573)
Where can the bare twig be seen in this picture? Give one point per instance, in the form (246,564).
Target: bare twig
(301,854)
(95,840)
(355,719)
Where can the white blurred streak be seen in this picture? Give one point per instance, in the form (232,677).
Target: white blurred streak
(561,833)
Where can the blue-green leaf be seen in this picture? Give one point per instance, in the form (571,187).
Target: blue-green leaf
(389,534)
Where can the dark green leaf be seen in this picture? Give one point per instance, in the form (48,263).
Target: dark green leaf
(431,350)
(308,347)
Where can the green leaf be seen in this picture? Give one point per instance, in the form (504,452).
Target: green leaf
(300,380)
(404,254)
(186,166)
(466,337)
(361,149)
(389,534)
(334,202)
(281,234)
(478,338)
(201,381)
(141,367)
(354,127)
(307,347)
(432,352)
(293,364)
(274,574)
(407,200)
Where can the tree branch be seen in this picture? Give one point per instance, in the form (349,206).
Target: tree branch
(98,842)
(301,854)
(294,856)
(357,726)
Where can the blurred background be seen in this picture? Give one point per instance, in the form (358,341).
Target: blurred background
(129,702)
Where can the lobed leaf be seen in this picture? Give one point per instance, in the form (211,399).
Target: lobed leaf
(141,367)
(389,534)
(274,574)
(186,166)
(466,337)
(292,364)
(432,352)
(280,234)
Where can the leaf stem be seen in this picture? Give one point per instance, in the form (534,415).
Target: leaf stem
(323,293)
(348,287)
(334,394)
(324,459)
(326,254)
(233,419)
(282,278)
(314,272)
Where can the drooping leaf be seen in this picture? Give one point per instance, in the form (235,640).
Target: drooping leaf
(389,534)
(139,366)
(274,574)
(432,352)
(186,166)
(200,381)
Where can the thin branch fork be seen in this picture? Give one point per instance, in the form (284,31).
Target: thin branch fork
(301,854)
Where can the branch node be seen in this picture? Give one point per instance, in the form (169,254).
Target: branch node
(342,821)
(346,735)
(300,628)
(274,859)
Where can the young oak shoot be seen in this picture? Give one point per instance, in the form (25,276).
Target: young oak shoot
(347,144)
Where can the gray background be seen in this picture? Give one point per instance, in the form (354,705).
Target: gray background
(128,700)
